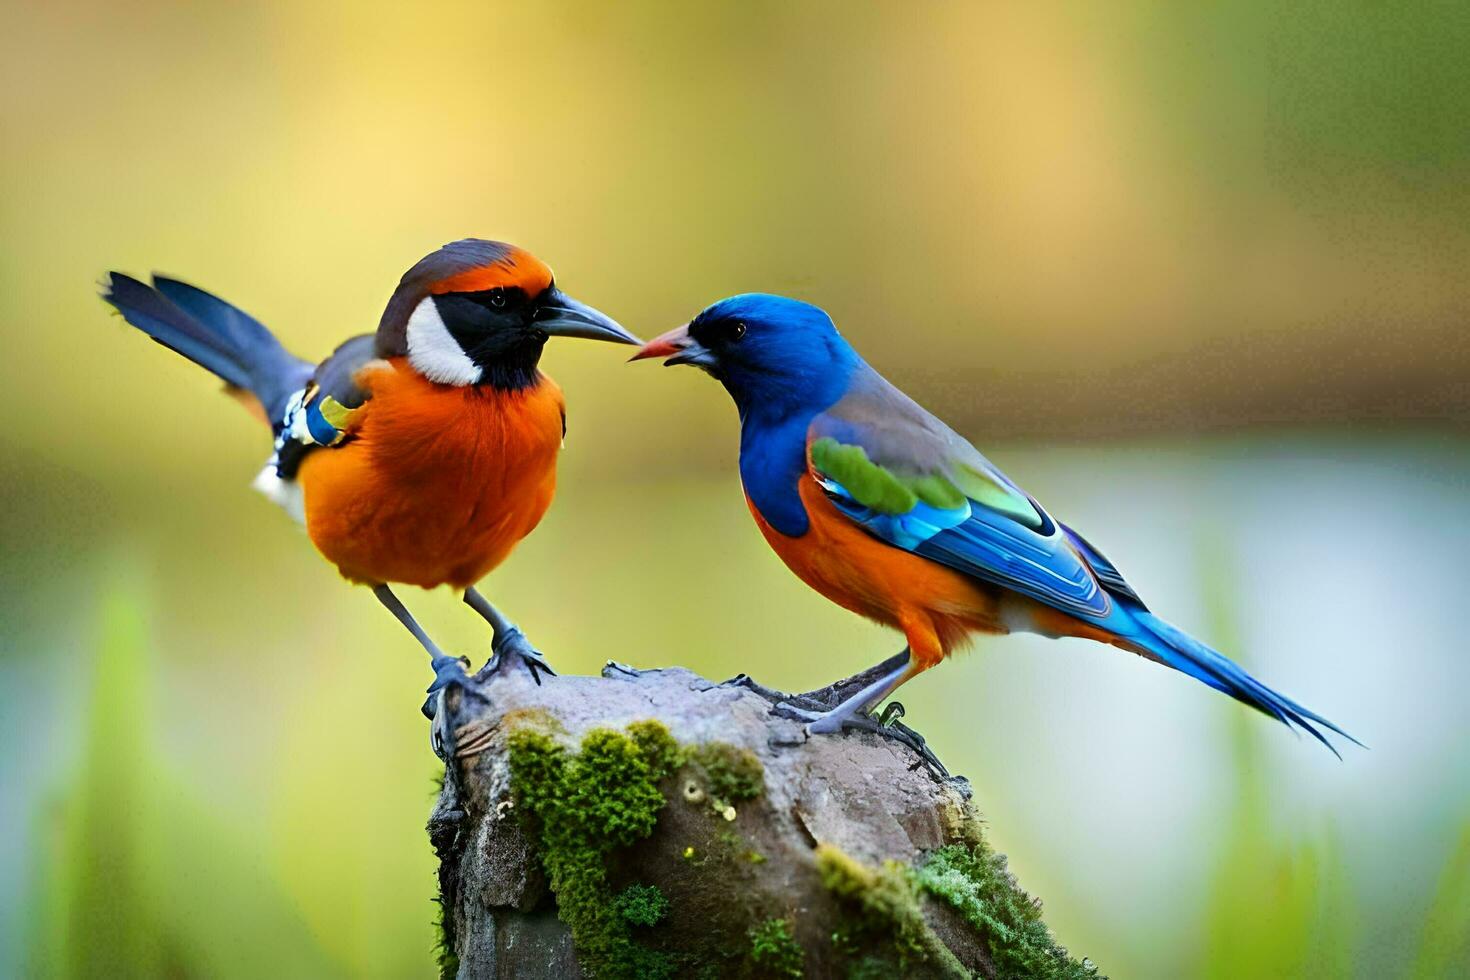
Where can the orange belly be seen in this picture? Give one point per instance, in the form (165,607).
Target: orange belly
(936,607)
(438,484)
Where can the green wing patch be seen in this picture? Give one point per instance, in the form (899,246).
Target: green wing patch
(985,489)
(936,491)
(881,490)
(877,488)
(868,483)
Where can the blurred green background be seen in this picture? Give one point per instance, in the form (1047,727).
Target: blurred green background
(1195,275)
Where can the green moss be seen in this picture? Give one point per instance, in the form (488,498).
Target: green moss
(444,952)
(975,882)
(657,746)
(729,774)
(580,807)
(774,951)
(884,911)
(641,905)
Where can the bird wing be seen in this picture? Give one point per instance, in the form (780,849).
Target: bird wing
(910,480)
(325,412)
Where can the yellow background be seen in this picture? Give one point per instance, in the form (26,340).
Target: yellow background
(1195,276)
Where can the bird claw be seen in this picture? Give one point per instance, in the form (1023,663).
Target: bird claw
(512,646)
(448,670)
(746,682)
(438,726)
(886,725)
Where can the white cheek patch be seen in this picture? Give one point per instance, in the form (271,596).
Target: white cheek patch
(434,353)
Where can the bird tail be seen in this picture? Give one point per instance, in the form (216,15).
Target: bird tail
(220,338)
(1177,649)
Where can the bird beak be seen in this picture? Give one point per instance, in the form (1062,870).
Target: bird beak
(678,347)
(561,316)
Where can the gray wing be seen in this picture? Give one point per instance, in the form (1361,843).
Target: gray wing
(908,479)
(305,428)
(904,438)
(335,375)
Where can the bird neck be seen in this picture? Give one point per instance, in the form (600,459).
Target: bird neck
(772,462)
(513,371)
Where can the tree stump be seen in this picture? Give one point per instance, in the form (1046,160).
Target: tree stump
(657,824)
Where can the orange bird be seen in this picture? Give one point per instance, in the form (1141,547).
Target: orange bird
(420,454)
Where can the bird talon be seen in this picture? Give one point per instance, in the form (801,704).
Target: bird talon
(510,637)
(891,714)
(448,670)
(511,644)
(536,664)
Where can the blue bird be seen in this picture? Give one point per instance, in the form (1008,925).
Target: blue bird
(886,511)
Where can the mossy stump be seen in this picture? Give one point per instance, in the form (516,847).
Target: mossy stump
(648,824)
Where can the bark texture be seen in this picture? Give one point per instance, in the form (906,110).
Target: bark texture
(655,823)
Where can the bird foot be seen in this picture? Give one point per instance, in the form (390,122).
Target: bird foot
(886,725)
(615,670)
(447,671)
(749,683)
(838,719)
(512,647)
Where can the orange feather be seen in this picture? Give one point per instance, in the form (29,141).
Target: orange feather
(438,484)
(519,268)
(936,607)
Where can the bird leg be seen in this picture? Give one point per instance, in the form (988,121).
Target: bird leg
(854,711)
(508,642)
(447,669)
(824,696)
(838,691)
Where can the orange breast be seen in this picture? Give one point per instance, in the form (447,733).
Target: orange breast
(935,606)
(438,484)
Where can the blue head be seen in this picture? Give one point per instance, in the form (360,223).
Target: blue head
(776,356)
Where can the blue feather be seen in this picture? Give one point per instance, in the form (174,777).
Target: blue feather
(213,334)
(796,382)
(1183,652)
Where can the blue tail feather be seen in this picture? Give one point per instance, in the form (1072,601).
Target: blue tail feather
(218,337)
(1184,653)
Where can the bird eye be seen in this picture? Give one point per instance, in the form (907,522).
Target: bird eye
(497,298)
(737,330)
